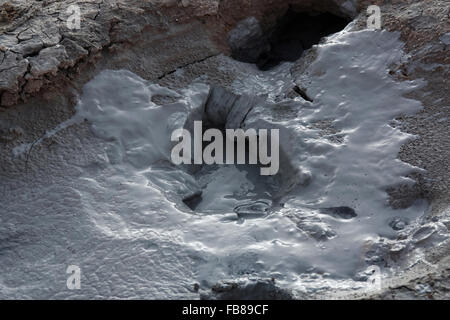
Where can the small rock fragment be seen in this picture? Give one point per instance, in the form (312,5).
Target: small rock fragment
(247,41)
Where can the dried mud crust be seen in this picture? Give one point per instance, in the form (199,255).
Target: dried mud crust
(424,27)
(43,66)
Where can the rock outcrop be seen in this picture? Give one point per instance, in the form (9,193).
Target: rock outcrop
(40,46)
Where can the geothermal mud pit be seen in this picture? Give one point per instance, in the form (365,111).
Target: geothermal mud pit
(97,184)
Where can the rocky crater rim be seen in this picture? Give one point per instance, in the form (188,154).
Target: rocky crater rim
(38,52)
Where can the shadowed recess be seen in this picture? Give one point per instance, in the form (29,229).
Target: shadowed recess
(293,34)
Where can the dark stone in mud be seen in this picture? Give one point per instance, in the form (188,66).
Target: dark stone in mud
(302,93)
(339,212)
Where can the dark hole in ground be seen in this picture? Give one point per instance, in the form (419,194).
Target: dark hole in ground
(262,188)
(193,200)
(294,33)
(345,213)
(253,194)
